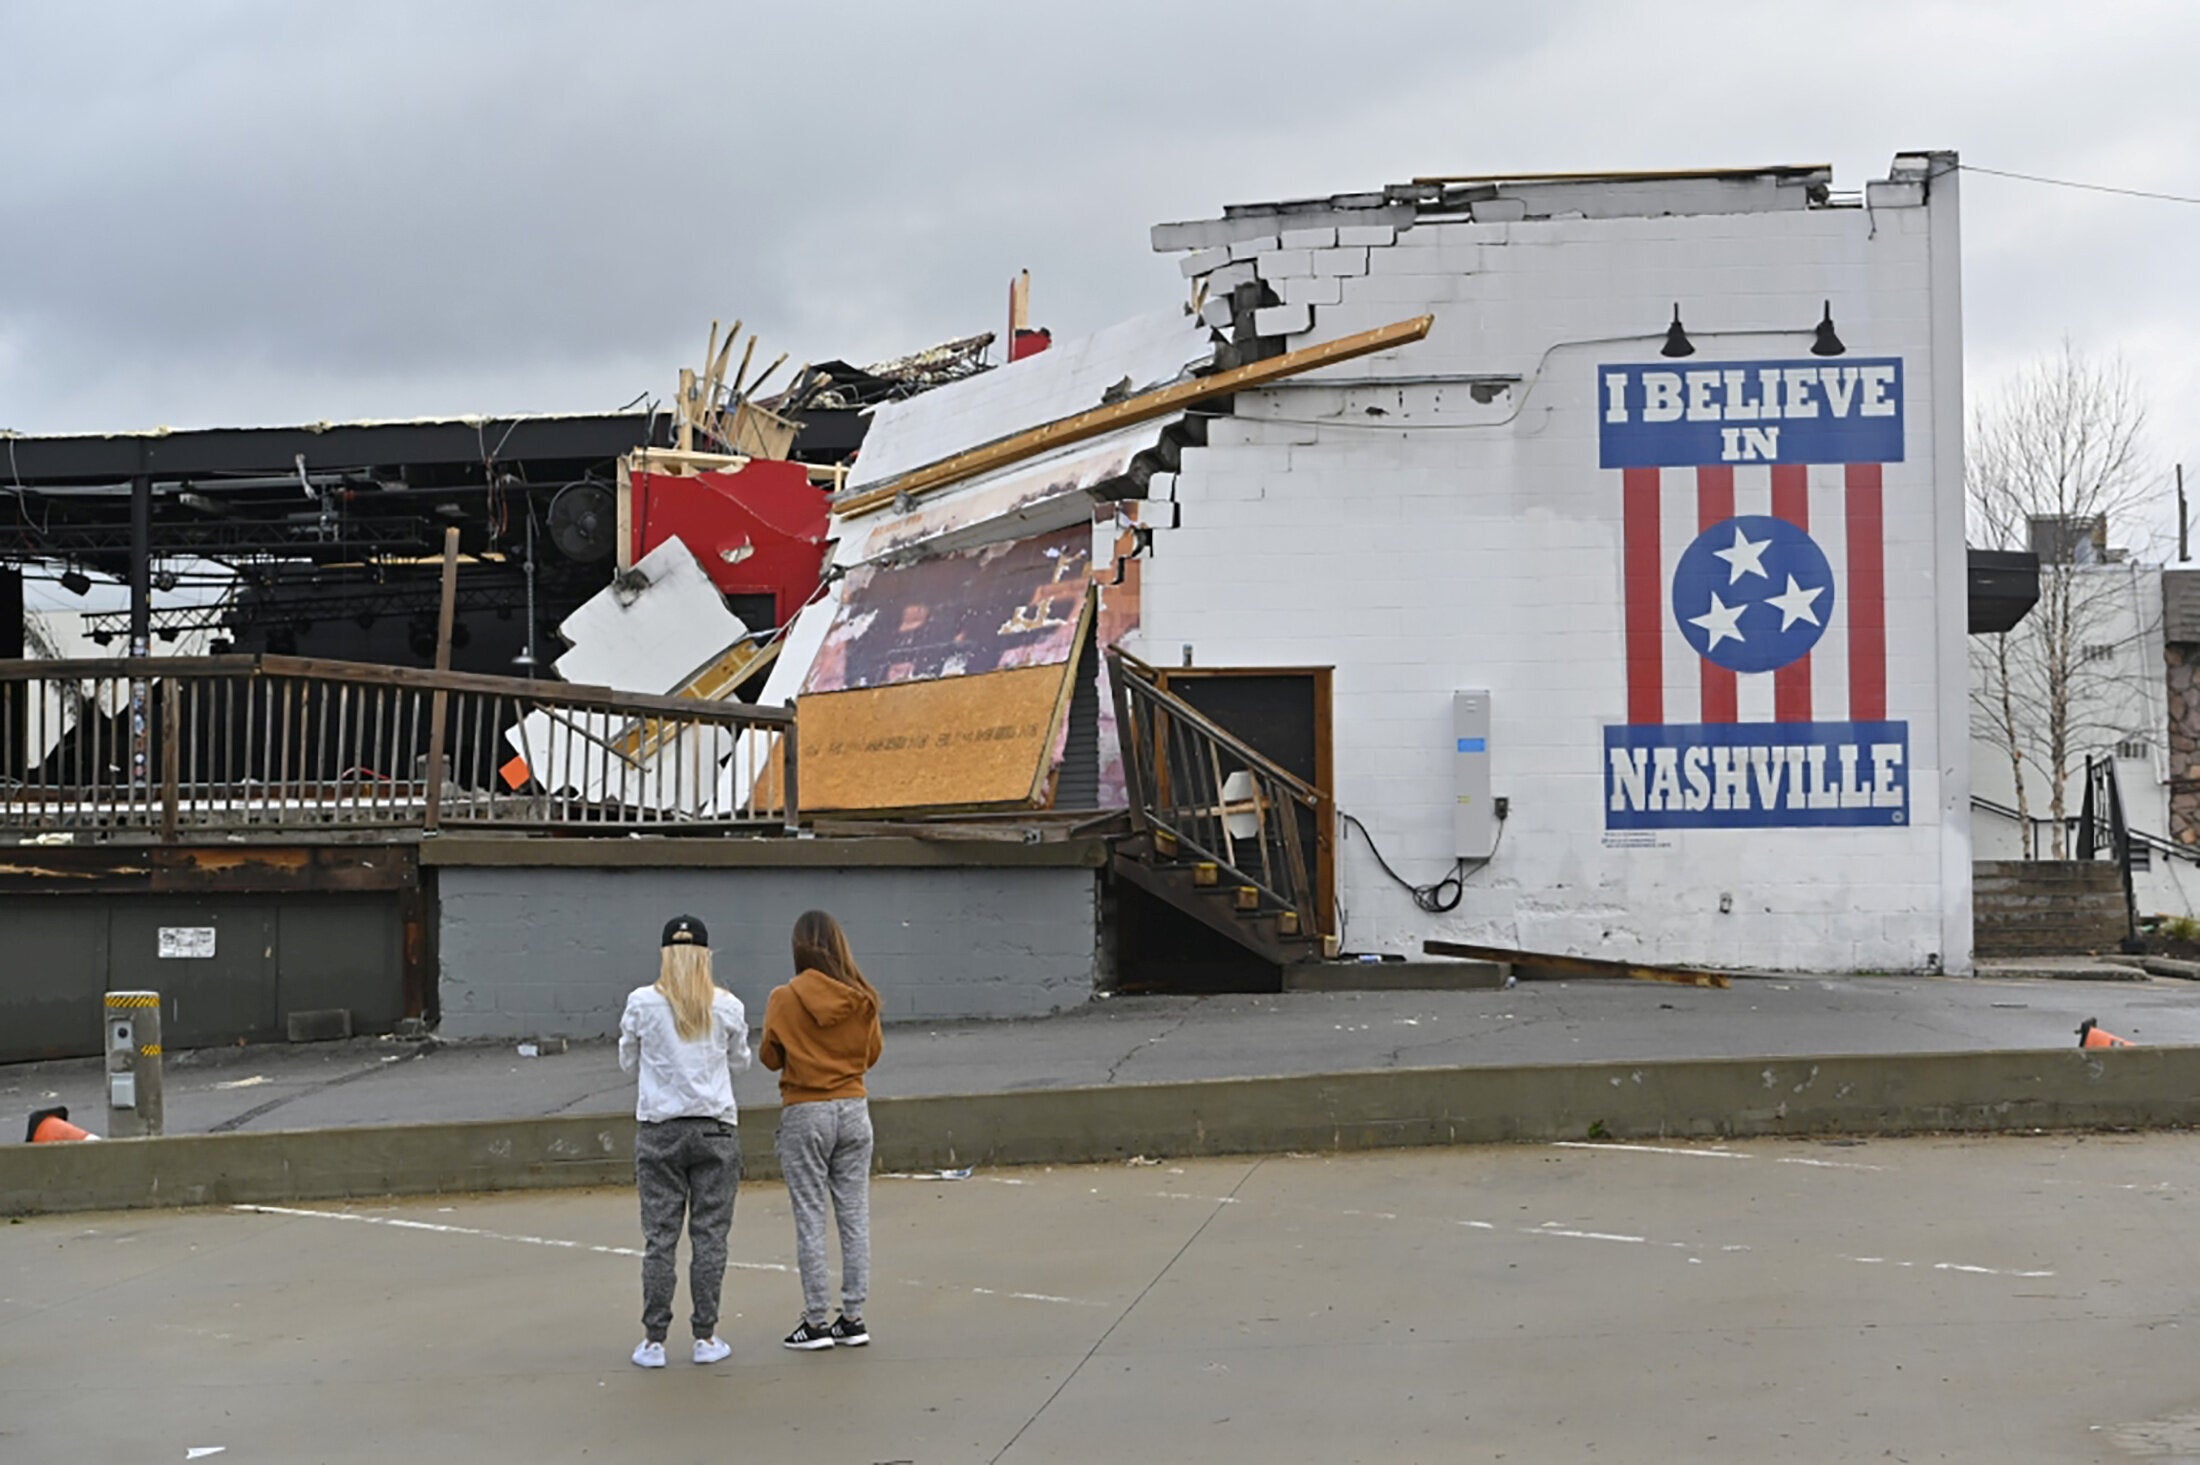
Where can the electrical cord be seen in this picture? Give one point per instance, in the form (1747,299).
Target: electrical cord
(1431,897)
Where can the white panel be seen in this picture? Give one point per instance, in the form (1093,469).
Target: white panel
(1473,819)
(1829,659)
(651,628)
(1067,378)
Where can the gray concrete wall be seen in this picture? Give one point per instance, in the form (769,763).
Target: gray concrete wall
(552,950)
(1726,1098)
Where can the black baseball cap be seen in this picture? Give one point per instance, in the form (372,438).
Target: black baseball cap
(685,931)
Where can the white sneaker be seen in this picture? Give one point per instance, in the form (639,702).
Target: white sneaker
(649,1355)
(708,1350)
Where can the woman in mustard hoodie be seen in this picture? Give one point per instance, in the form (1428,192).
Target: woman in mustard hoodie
(821,1035)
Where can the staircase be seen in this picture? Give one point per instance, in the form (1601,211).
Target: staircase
(2047,907)
(1219,831)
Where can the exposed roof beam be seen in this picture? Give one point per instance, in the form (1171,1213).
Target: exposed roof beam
(1132,410)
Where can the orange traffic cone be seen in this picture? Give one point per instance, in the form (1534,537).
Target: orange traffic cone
(52,1126)
(2092,1035)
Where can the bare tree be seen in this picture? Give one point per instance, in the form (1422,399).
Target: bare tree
(2052,462)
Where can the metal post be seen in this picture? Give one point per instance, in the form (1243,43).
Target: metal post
(141,628)
(133,1064)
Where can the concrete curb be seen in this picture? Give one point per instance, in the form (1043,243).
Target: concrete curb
(1717,1098)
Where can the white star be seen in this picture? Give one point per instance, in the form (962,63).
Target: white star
(1796,604)
(1745,556)
(1719,621)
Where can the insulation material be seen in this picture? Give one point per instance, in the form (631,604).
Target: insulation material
(695,771)
(652,628)
(1027,498)
(1001,606)
(1074,376)
(987,741)
(1119,576)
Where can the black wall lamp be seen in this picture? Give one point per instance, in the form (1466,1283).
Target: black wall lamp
(1676,339)
(1825,342)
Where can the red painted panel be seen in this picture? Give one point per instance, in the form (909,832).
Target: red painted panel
(760,531)
(1867,596)
(1644,597)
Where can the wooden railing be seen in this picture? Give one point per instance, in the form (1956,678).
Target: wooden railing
(1204,795)
(182,747)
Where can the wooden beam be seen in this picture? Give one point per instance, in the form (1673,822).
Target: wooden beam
(1578,966)
(439,702)
(1142,408)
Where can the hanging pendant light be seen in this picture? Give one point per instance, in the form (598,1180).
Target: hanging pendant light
(1825,342)
(1676,339)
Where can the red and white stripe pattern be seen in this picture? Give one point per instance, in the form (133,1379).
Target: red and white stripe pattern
(1842,679)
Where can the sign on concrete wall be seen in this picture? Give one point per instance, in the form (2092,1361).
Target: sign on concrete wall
(190,943)
(1755,595)
(1665,416)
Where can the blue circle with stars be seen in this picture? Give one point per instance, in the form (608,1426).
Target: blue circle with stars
(1753,593)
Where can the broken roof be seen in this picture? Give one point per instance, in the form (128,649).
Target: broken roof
(1072,376)
(1516,196)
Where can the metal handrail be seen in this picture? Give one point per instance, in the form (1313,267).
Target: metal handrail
(2101,829)
(1178,769)
(290,746)
(2139,837)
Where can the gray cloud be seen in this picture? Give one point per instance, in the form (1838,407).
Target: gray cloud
(263,212)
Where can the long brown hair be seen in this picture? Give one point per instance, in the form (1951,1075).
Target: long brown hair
(821,946)
(683,975)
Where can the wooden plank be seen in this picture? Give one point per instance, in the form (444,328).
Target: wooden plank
(439,712)
(171,747)
(1578,966)
(1142,408)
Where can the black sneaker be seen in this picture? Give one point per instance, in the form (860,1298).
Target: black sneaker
(849,1332)
(809,1337)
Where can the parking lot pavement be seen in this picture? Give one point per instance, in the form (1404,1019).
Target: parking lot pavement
(2005,1299)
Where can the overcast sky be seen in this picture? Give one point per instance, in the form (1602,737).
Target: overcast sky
(256,213)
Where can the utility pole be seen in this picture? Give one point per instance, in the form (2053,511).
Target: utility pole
(2184,522)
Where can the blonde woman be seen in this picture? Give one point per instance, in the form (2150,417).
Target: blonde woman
(688,1036)
(821,1034)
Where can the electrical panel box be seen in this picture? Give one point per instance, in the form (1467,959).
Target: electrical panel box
(1474,816)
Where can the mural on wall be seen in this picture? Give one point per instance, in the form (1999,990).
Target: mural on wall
(1754,594)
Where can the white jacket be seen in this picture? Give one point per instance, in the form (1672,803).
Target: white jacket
(683,1079)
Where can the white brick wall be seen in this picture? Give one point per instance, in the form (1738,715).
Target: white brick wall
(1451,543)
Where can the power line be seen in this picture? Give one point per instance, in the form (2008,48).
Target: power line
(2088,187)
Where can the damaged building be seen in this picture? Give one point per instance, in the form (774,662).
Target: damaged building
(1582,558)
(1563,567)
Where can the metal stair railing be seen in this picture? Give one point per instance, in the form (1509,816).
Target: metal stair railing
(2153,844)
(1198,789)
(2103,832)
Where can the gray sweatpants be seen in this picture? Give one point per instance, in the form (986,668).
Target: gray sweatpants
(825,1148)
(691,1166)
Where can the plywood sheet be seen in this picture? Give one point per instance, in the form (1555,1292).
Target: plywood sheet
(983,741)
